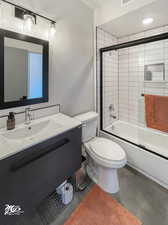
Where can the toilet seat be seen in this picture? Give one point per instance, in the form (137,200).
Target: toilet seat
(106,152)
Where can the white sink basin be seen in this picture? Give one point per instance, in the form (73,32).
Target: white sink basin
(27,131)
(26,136)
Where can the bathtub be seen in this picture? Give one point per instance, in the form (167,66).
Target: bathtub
(156,141)
(153,163)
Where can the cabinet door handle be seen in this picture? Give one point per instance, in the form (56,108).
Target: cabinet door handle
(24,161)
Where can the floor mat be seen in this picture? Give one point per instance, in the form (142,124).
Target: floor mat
(99,208)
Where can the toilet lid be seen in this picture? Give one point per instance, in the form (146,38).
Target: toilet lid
(107,149)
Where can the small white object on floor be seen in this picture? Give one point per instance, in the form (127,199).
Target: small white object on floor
(66,192)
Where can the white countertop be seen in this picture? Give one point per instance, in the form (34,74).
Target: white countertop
(9,147)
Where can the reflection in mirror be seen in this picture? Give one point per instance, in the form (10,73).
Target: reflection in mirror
(23,70)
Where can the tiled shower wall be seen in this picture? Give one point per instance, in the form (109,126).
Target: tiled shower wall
(124,75)
(110,78)
(132,62)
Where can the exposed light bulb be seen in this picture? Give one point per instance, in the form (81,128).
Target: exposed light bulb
(29,21)
(52,29)
(148,21)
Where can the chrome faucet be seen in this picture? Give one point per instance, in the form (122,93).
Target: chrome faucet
(28,116)
(112,109)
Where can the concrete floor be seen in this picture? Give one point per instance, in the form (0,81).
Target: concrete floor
(141,196)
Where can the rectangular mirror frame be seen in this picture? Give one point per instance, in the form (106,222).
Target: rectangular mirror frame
(45,44)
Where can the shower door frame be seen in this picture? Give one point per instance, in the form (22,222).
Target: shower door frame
(141,41)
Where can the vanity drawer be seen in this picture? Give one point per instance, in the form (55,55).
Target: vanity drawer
(30,176)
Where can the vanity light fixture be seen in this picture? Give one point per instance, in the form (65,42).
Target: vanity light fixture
(52,28)
(30,17)
(29,21)
(147,21)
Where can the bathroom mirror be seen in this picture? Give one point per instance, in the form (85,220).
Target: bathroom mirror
(155,72)
(24,70)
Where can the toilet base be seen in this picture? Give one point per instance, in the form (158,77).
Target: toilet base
(105,178)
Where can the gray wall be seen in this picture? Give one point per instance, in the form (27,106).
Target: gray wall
(73,61)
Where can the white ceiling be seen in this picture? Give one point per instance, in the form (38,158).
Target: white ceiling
(131,23)
(94,4)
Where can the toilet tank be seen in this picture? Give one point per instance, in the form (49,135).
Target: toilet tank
(89,125)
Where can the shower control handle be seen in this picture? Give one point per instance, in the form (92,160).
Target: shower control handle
(111,107)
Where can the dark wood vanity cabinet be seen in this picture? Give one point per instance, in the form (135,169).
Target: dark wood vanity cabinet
(28,177)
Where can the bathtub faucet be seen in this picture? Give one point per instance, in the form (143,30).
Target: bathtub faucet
(113,116)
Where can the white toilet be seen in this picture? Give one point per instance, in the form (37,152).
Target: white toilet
(104,156)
